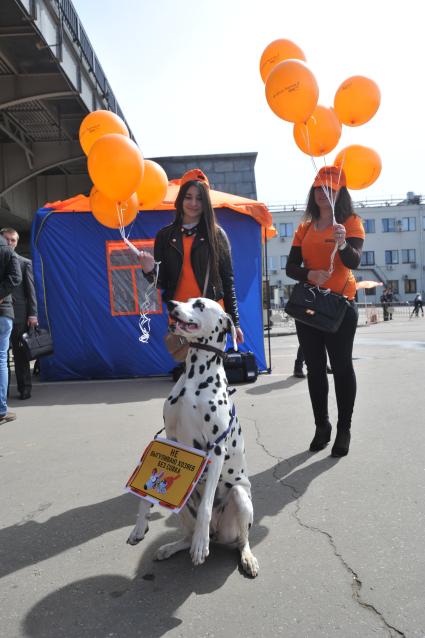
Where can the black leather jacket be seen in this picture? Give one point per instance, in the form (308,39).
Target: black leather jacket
(169,251)
(10,277)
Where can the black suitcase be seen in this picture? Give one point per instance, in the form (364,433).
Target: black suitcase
(240,367)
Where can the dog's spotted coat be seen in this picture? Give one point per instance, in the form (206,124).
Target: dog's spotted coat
(198,413)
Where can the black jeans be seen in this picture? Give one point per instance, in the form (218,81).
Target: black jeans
(339,346)
(22,365)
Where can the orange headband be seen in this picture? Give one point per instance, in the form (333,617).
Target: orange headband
(195,175)
(330,176)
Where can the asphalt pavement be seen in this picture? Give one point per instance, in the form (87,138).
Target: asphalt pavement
(340,542)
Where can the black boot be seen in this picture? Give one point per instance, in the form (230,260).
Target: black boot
(298,370)
(321,438)
(342,442)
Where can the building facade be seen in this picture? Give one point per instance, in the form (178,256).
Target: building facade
(393,251)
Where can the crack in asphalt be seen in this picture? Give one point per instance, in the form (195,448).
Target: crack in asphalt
(33,514)
(356,584)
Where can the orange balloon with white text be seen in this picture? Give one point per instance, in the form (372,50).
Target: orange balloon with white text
(115,165)
(357,100)
(276,52)
(153,187)
(96,125)
(362,165)
(320,133)
(113,214)
(292,91)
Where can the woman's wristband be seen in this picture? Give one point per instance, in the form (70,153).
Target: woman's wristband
(343,246)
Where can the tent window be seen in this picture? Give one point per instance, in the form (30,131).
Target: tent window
(127,285)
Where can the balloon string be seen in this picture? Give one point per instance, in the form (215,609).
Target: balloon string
(331,197)
(144,320)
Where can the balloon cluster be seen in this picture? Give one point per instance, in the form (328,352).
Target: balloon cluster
(124,182)
(292,93)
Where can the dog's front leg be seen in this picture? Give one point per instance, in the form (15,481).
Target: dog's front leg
(201,536)
(142,525)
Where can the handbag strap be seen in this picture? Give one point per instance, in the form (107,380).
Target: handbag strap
(207,276)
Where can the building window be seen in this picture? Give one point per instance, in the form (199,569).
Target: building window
(272,262)
(392,284)
(410,285)
(391,256)
(408,223)
(127,285)
(286,230)
(369,225)
(408,256)
(368,258)
(388,225)
(283,260)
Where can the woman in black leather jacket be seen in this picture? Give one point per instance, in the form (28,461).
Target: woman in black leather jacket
(183,275)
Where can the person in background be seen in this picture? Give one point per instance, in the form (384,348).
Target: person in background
(299,362)
(309,261)
(25,310)
(418,305)
(298,365)
(385,304)
(193,250)
(10,278)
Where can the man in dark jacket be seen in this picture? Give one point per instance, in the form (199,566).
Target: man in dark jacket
(25,309)
(10,278)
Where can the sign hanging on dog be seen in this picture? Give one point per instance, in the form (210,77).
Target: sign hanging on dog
(167,473)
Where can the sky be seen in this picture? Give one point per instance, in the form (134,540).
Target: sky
(186,76)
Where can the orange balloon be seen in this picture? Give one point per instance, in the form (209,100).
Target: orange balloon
(113,214)
(292,91)
(115,165)
(362,165)
(97,124)
(276,52)
(320,134)
(153,187)
(357,100)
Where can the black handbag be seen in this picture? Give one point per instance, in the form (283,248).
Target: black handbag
(37,342)
(240,367)
(317,307)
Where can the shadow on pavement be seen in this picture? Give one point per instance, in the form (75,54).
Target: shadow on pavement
(92,392)
(276,385)
(147,605)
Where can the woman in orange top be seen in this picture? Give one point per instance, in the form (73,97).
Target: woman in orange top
(194,251)
(309,261)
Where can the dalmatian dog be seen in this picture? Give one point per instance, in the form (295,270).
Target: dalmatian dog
(200,413)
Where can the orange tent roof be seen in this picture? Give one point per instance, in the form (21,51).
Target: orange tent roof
(243,205)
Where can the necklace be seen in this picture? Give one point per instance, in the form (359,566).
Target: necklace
(189,229)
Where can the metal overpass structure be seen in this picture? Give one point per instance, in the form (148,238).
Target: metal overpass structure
(50,78)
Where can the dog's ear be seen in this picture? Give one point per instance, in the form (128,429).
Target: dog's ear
(231,328)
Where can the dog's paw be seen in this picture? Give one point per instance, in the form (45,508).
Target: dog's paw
(199,549)
(249,563)
(136,536)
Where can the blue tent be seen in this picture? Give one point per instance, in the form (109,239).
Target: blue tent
(90,290)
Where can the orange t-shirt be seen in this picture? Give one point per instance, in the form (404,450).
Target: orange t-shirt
(316,248)
(188,287)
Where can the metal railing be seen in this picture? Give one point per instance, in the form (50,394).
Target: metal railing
(68,14)
(286,207)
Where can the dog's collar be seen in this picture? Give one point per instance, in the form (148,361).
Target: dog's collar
(203,346)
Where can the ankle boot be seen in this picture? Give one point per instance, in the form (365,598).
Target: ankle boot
(298,370)
(321,437)
(342,442)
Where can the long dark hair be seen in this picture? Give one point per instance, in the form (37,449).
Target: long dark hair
(343,206)
(208,219)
